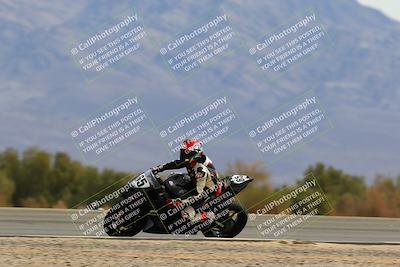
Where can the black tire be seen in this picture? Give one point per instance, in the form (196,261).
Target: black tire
(233,223)
(115,226)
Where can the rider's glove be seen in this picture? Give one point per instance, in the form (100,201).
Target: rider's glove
(174,203)
(157,169)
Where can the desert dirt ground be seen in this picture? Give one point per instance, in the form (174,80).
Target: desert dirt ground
(43,251)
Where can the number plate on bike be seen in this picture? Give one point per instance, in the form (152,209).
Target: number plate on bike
(238,179)
(140,182)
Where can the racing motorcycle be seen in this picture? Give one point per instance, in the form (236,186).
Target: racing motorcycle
(143,207)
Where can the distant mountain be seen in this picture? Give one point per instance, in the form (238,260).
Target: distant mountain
(43,93)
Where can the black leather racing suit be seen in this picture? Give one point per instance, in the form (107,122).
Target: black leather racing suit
(201,170)
(203,174)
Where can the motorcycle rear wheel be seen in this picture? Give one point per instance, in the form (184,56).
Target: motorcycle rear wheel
(230,225)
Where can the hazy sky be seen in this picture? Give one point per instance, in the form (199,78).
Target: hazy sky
(389,7)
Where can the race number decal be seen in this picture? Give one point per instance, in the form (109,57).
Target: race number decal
(238,179)
(141,182)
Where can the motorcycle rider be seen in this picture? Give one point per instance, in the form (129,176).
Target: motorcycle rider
(202,173)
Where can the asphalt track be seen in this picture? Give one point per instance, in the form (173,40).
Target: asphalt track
(58,222)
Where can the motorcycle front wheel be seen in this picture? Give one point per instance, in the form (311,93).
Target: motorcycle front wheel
(124,222)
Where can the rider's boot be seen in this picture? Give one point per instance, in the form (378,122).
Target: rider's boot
(190,213)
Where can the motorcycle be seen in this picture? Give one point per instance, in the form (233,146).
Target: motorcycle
(143,207)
